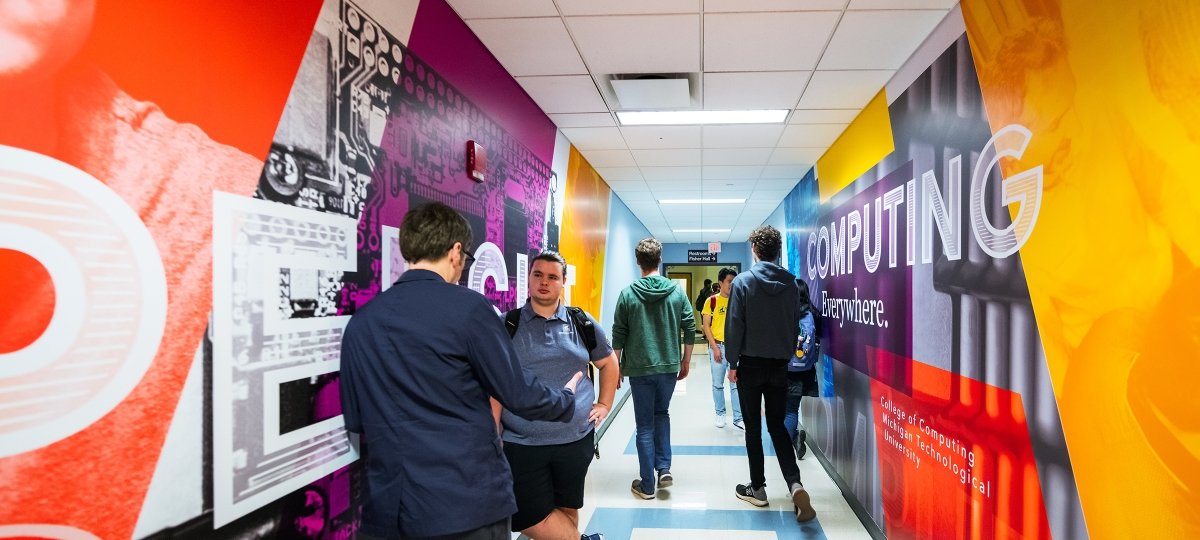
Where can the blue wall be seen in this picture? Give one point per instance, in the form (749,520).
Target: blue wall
(620,266)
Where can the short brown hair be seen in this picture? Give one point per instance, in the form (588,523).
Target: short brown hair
(430,231)
(765,241)
(551,257)
(648,253)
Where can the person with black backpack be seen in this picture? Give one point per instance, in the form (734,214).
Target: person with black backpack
(549,460)
(802,372)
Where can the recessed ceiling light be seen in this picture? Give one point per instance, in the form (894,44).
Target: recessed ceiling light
(647,118)
(699,230)
(701,201)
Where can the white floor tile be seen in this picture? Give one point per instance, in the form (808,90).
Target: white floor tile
(701,503)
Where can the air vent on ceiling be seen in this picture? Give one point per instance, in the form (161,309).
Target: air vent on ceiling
(636,91)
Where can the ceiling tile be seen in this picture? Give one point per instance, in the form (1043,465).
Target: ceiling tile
(684,222)
(768,195)
(878,39)
(820,116)
(477,9)
(843,89)
(645,205)
(902,4)
(530,46)
(742,136)
(779,184)
(662,136)
(785,171)
(737,156)
(717,6)
(667,158)
(675,213)
(564,93)
(765,41)
(673,185)
(728,188)
(726,221)
(566,120)
(795,156)
(619,174)
(812,135)
(638,44)
(723,172)
(627,186)
(609,158)
(632,196)
(671,173)
(595,138)
(626,7)
(753,90)
(678,194)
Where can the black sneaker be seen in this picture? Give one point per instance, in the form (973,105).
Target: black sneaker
(636,488)
(757,497)
(804,509)
(801,448)
(596,536)
(665,479)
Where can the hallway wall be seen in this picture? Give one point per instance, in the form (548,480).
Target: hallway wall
(987,362)
(192,375)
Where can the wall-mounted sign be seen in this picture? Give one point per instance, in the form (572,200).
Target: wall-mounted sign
(714,247)
(700,255)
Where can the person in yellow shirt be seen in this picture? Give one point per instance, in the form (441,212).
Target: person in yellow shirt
(713,319)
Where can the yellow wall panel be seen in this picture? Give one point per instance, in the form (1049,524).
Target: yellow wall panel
(866,141)
(1108,91)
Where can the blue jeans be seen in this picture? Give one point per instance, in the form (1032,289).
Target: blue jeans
(651,399)
(718,384)
(791,416)
(800,384)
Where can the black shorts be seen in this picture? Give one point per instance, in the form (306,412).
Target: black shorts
(548,477)
(803,383)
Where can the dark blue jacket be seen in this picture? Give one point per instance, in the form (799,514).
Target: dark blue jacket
(763,318)
(418,364)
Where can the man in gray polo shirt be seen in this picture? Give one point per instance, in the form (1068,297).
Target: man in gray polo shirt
(550,459)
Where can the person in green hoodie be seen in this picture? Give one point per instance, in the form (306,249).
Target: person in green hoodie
(653,319)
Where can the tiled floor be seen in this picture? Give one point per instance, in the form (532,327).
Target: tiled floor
(707,463)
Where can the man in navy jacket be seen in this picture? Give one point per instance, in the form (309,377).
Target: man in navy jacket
(418,365)
(761,326)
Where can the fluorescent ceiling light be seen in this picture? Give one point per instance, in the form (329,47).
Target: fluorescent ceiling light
(645,118)
(700,230)
(701,201)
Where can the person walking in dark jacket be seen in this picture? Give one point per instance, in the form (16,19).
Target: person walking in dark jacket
(761,326)
(706,291)
(419,362)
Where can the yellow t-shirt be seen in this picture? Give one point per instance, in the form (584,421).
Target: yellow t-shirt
(717,311)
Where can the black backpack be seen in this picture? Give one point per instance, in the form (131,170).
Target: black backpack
(583,325)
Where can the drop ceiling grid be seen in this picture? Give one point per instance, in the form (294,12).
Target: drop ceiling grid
(823,60)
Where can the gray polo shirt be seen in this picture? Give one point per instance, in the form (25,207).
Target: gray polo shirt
(552,350)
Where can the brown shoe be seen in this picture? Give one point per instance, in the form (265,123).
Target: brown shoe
(804,509)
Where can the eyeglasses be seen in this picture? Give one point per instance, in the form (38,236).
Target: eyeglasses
(470,257)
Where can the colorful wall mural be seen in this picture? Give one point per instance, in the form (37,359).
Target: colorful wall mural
(989,359)
(107,210)
(584,232)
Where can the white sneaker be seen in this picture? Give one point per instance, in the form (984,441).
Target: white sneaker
(804,508)
(738,424)
(720,420)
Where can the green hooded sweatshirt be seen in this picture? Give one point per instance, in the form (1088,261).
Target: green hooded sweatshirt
(651,314)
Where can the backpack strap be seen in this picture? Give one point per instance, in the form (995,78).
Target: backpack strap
(512,320)
(583,325)
(712,304)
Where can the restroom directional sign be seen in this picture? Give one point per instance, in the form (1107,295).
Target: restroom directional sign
(701,255)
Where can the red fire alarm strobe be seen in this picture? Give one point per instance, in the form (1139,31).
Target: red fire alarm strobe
(476,161)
